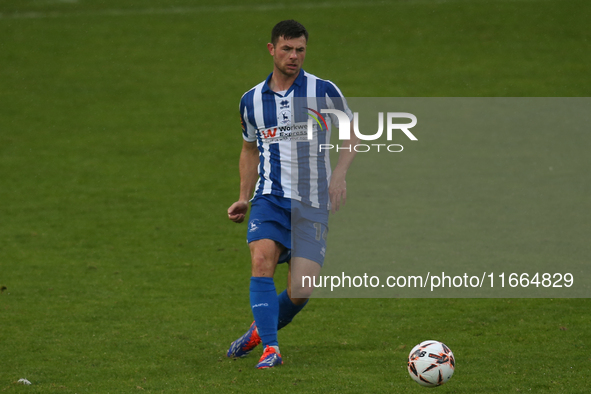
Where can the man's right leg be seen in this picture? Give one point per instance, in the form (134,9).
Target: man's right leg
(263,295)
(251,339)
(288,308)
(290,303)
(263,299)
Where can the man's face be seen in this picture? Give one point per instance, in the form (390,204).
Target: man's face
(288,55)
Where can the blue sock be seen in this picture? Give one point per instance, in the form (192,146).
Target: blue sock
(265,308)
(287,310)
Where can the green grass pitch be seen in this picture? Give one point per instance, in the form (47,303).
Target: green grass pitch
(119,143)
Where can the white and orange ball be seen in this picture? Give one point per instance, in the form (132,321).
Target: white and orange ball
(431,363)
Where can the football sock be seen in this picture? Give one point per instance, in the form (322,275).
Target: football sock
(265,308)
(287,310)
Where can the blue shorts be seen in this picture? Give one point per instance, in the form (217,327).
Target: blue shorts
(301,228)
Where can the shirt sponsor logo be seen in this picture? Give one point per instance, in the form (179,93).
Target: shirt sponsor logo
(297,132)
(269,133)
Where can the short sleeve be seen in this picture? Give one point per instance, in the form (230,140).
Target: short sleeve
(338,101)
(248,130)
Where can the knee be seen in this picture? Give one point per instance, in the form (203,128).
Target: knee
(300,290)
(262,265)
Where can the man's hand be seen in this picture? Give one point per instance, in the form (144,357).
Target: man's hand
(237,211)
(249,160)
(337,191)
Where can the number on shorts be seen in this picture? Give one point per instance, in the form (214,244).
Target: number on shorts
(319,232)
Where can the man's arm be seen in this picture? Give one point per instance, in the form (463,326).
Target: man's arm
(337,189)
(249,160)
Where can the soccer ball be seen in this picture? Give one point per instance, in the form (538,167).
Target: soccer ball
(431,363)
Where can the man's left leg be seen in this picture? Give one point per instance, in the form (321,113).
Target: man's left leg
(293,299)
(309,233)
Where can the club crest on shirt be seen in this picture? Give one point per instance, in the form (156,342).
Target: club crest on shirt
(284,117)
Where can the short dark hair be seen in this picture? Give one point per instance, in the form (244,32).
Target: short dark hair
(288,29)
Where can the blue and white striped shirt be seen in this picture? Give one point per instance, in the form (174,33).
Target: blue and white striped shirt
(290,165)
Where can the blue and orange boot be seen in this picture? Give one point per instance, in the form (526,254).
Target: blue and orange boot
(245,344)
(270,358)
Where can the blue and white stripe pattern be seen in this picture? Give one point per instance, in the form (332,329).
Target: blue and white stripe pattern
(290,165)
